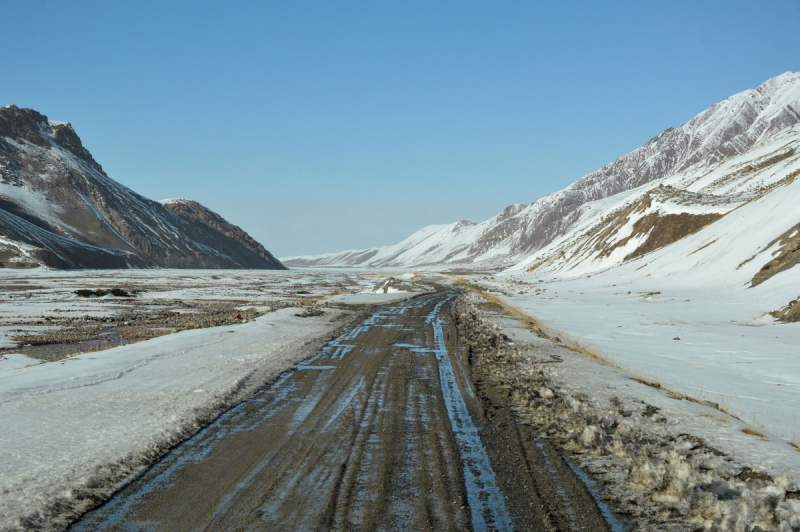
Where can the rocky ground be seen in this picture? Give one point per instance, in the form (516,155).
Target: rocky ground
(136,321)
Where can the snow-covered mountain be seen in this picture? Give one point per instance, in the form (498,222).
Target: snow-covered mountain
(521,233)
(59,208)
(738,219)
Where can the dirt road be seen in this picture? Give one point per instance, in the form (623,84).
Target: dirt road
(382,430)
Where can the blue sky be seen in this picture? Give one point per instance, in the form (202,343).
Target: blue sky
(322,126)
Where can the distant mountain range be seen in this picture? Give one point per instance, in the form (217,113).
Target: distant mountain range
(58,208)
(620,212)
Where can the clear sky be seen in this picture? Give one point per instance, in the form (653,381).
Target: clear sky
(323,126)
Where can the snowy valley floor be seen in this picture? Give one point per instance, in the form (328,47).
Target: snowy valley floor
(657,462)
(615,391)
(717,344)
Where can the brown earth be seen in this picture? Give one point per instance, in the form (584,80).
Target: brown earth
(663,229)
(667,229)
(384,429)
(786,256)
(788,314)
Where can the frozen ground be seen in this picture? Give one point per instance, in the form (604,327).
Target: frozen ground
(72,430)
(713,341)
(41,306)
(13,361)
(664,463)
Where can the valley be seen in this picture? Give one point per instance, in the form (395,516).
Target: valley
(434,405)
(618,355)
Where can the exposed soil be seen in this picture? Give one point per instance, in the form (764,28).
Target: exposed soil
(790,313)
(785,257)
(140,321)
(667,229)
(661,229)
(384,429)
(99,292)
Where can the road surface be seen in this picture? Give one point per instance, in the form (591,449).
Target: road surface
(382,430)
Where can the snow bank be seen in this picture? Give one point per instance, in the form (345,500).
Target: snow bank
(15,361)
(709,342)
(72,432)
(673,464)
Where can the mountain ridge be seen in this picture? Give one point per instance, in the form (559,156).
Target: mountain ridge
(192,210)
(60,209)
(724,130)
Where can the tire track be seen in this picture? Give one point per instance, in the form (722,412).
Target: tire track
(381,430)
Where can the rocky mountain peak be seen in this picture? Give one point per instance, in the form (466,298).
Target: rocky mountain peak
(510,211)
(58,208)
(463,224)
(65,136)
(22,124)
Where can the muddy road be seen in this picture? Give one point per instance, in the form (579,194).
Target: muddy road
(382,430)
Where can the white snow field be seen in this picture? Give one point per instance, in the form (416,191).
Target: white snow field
(74,430)
(674,464)
(14,361)
(729,352)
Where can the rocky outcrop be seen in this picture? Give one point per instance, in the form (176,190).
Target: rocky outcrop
(194,212)
(786,256)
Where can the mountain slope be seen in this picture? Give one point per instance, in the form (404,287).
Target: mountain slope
(738,219)
(60,209)
(725,130)
(194,212)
